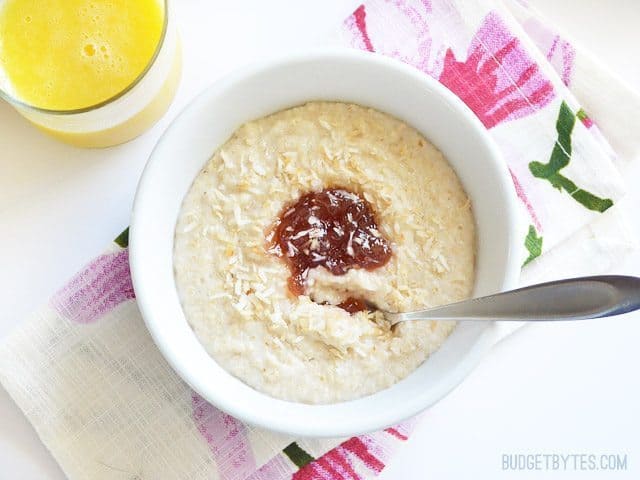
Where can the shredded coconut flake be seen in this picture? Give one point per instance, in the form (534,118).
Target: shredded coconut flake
(233,286)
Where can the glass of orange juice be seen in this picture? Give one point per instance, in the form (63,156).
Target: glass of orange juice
(93,73)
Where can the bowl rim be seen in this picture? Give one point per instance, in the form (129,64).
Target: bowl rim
(471,358)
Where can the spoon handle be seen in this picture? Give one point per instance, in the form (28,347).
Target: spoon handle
(571,299)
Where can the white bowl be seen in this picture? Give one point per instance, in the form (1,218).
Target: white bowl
(348,76)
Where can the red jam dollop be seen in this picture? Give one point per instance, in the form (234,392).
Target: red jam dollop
(333,228)
(354,305)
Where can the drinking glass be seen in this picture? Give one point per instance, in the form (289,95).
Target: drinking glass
(126,114)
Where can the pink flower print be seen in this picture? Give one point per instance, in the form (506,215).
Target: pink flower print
(97,289)
(333,465)
(398,29)
(354,459)
(525,200)
(360,23)
(357,458)
(498,80)
(396,433)
(560,53)
(227,440)
(278,468)
(402,430)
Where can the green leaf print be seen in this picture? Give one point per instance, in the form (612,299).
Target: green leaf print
(297,455)
(582,115)
(533,243)
(560,158)
(123,239)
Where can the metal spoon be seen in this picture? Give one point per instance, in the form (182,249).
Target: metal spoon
(572,299)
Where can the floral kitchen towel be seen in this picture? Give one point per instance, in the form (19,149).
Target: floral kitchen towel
(107,405)
(517,84)
(593,86)
(87,375)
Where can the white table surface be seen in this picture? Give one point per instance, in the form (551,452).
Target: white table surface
(563,388)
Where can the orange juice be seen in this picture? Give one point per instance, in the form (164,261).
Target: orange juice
(82,60)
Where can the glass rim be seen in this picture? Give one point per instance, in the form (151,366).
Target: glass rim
(20,104)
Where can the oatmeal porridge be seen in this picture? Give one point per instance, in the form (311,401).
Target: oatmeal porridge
(299,227)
